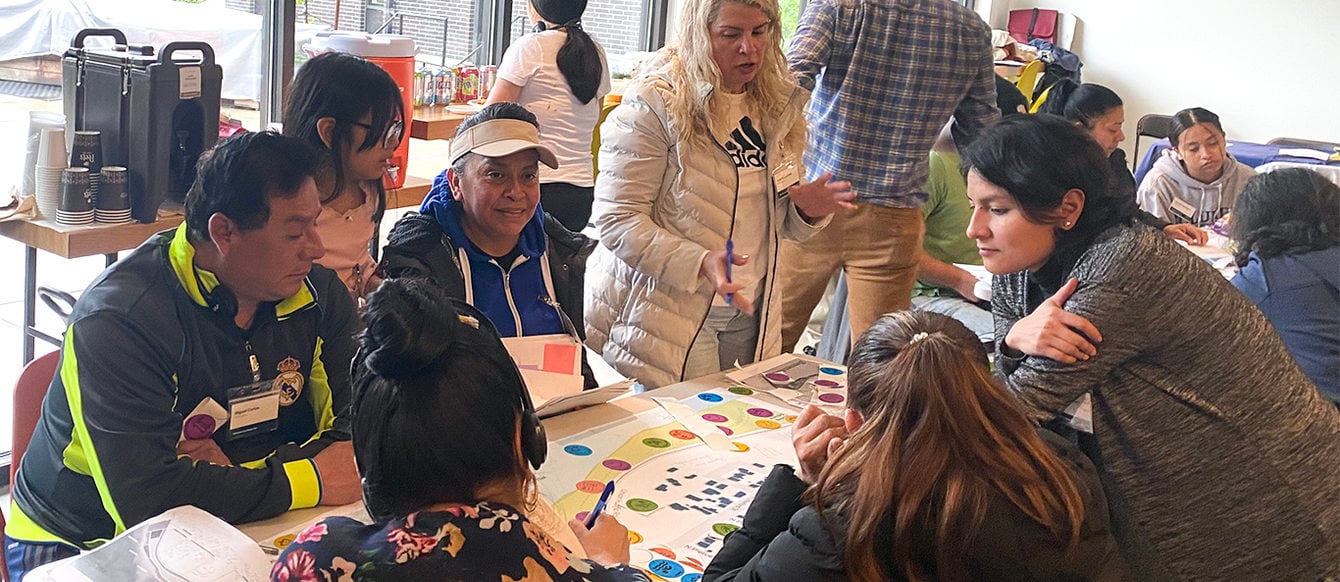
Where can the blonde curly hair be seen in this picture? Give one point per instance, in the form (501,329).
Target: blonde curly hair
(689,64)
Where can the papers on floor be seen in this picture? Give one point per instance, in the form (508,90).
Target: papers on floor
(182,544)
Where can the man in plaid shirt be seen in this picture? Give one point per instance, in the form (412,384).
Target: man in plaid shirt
(886,75)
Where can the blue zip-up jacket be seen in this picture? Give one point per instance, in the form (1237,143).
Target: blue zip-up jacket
(1300,295)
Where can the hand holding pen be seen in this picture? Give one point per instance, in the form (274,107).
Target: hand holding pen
(604,539)
(716,272)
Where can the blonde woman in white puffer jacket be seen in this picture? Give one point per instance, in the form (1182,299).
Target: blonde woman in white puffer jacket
(703,150)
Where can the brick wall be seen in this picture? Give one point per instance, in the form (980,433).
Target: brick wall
(243,5)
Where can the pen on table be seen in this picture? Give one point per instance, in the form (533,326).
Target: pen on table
(600,505)
(730,260)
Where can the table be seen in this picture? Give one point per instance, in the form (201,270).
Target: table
(562,463)
(434,122)
(1252,154)
(1330,171)
(109,240)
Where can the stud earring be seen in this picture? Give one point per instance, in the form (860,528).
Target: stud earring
(1066,225)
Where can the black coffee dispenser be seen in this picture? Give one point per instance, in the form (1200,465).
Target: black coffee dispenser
(157,113)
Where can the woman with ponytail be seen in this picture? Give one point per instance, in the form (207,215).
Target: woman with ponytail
(934,473)
(1099,111)
(559,73)
(445,442)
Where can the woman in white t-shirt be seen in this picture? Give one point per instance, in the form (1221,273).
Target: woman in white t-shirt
(559,73)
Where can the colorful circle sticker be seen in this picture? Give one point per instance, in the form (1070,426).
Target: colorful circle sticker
(790,418)
(767,424)
(760,412)
(589,486)
(831,398)
(578,450)
(777,377)
(831,371)
(741,390)
(617,465)
(741,447)
(634,537)
(666,568)
(200,426)
(283,541)
(724,528)
(642,505)
(727,430)
(656,443)
(710,397)
(714,417)
(691,577)
(582,515)
(683,435)
(826,384)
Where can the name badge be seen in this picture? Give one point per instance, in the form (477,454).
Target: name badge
(253,408)
(1183,208)
(785,175)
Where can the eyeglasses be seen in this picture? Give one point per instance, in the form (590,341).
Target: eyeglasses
(393,133)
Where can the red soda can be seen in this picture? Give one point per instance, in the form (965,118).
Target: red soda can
(467,86)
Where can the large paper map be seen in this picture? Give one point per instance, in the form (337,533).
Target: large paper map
(678,496)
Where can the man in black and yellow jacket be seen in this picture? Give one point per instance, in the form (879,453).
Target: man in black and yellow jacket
(210,368)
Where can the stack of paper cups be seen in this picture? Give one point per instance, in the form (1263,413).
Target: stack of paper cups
(86,152)
(76,199)
(113,203)
(51,158)
(37,121)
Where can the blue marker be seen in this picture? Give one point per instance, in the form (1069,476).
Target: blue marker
(730,260)
(600,505)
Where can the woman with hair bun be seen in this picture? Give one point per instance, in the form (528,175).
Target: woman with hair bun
(559,73)
(445,441)
(934,473)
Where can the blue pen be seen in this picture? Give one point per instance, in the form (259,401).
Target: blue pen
(600,505)
(730,260)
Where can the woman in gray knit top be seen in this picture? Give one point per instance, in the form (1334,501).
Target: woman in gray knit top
(1220,459)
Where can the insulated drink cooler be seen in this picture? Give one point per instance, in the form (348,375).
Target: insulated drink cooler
(157,112)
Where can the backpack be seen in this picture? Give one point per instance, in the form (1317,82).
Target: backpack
(1026,25)
(1061,64)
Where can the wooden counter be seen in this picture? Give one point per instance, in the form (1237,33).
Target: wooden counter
(434,122)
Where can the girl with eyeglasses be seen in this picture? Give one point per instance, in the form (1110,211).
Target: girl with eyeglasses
(351,108)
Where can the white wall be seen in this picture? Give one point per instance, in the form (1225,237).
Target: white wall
(1269,68)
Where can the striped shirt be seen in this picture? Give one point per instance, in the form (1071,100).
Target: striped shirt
(886,76)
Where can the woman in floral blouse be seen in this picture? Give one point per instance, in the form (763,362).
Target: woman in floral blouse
(442,443)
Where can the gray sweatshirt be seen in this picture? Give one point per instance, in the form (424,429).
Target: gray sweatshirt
(1168,192)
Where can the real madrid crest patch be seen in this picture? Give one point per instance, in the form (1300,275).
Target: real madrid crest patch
(289,382)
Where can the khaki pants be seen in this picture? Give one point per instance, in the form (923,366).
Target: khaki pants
(878,247)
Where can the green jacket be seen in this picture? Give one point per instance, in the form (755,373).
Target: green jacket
(151,338)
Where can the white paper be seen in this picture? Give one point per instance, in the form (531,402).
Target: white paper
(706,431)
(582,399)
(551,365)
(182,544)
(1305,153)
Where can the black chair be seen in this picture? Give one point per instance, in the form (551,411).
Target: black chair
(1293,142)
(1153,125)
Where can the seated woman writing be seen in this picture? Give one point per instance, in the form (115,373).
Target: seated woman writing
(443,432)
(1286,229)
(1219,457)
(935,473)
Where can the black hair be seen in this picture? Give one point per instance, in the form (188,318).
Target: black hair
(578,58)
(490,112)
(435,409)
(345,87)
(1285,212)
(1082,104)
(1009,99)
(1189,118)
(1037,159)
(239,176)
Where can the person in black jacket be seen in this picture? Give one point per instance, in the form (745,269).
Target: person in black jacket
(1099,111)
(934,473)
(482,235)
(210,367)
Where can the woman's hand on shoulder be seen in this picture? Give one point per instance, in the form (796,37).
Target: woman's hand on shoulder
(1052,332)
(821,197)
